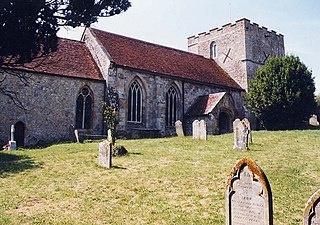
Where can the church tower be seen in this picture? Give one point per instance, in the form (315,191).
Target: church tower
(239,48)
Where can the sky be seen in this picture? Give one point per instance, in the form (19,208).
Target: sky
(170,22)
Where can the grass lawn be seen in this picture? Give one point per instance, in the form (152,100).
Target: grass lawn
(162,181)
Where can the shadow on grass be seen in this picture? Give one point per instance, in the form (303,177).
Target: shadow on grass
(118,168)
(10,163)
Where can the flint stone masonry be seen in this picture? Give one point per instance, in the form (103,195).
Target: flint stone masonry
(50,103)
(179,128)
(241,48)
(248,195)
(311,214)
(105,154)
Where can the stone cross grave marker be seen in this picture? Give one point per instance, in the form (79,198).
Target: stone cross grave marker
(314,120)
(105,154)
(247,124)
(311,214)
(195,129)
(248,195)
(240,131)
(179,128)
(202,130)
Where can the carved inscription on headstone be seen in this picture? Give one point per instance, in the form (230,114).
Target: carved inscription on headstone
(248,195)
(179,128)
(312,210)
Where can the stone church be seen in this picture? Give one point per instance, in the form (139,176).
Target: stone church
(151,85)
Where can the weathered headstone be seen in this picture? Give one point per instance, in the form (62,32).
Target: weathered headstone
(12,142)
(248,195)
(195,129)
(105,154)
(202,130)
(247,124)
(314,120)
(311,214)
(240,136)
(109,138)
(76,134)
(179,128)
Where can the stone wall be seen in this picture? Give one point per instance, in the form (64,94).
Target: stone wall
(50,103)
(242,47)
(155,87)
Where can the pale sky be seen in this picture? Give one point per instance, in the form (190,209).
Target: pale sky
(170,22)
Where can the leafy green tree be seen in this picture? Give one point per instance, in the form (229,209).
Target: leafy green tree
(282,93)
(28,28)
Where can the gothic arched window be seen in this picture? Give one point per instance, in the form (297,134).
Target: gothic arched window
(213,50)
(171,106)
(84,109)
(135,102)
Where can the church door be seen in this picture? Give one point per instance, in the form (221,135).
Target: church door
(19,133)
(224,123)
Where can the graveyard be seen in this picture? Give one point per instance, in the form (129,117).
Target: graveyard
(178,180)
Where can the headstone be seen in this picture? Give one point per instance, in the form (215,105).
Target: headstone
(248,195)
(179,128)
(109,138)
(195,129)
(202,130)
(240,136)
(247,124)
(314,120)
(12,142)
(76,134)
(105,154)
(311,214)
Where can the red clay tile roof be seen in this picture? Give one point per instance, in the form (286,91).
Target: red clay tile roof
(145,56)
(205,104)
(72,59)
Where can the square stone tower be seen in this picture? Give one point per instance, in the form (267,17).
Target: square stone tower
(239,48)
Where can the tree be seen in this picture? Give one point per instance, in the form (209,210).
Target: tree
(282,93)
(29,28)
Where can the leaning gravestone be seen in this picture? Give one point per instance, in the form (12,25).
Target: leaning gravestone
(247,124)
(240,131)
(248,195)
(311,214)
(105,154)
(179,128)
(195,129)
(202,130)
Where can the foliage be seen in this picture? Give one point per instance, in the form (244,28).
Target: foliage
(161,181)
(28,27)
(110,118)
(282,93)
(119,150)
(318,103)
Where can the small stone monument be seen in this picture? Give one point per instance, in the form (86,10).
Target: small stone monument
(109,138)
(314,120)
(240,131)
(311,214)
(76,134)
(247,123)
(179,128)
(202,130)
(248,195)
(195,129)
(105,154)
(12,142)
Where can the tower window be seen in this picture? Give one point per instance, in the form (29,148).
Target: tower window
(213,50)
(84,109)
(135,103)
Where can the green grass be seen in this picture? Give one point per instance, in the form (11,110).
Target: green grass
(161,181)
